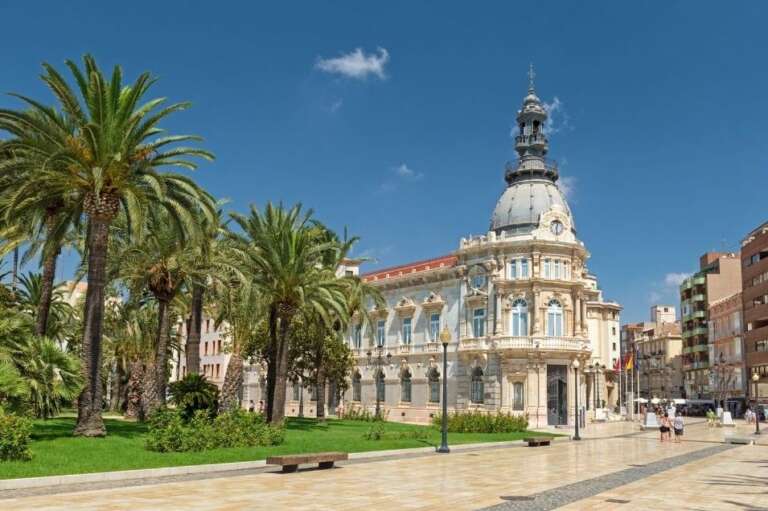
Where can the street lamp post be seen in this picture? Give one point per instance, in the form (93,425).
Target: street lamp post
(755,379)
(576,393)
(379,363)
(445,338)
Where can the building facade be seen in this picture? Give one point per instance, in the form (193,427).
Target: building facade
(518,305)
(659,361)
(719,276)
(754,259)
(727,371)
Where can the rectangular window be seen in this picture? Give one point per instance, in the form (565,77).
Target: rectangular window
(218,366)
(546,268)
(358,338)
(407,331)
(513,269)
(380,332)
(523,268)
(218,349)
(557,269)
(478,322)
(206,348)
(434,327)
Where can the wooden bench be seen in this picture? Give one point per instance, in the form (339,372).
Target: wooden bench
(537,441)
(291,462)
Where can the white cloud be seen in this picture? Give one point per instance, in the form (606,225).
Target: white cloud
(403,173)
(675,279)
(336,105)
(356,64)
(567,185)
(558,119)
(406,172)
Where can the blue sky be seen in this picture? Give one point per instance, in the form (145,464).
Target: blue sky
(661,122)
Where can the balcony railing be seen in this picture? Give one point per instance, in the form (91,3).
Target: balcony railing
(699,297)
(700,330)
(700,280)
(535,138)
(524,343)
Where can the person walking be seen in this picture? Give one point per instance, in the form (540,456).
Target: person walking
(678,425)
(665,428)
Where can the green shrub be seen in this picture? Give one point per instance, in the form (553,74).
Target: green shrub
(361,414)
(375,432)
(475,421)
(194,392)
(168,432)
(15,433)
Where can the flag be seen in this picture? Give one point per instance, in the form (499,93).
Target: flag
(630,362)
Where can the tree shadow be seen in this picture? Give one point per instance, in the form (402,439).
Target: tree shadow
(748,507)
(741,480)
(53,429)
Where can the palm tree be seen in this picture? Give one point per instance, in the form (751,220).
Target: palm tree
(111,165)
(42,216)
(160,262)
(280,251)
(32,292)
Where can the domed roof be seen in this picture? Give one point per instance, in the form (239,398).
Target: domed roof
(522,203)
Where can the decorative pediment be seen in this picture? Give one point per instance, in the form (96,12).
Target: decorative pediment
(433,302)
(476,297)
(405,307)
(379,313)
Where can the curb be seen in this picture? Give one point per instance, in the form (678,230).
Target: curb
(155,473)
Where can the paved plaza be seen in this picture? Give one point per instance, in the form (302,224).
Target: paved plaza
(614,467)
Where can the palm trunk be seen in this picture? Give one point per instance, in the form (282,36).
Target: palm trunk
(46,292)
(231,390)
(15,272)
(89,421)
(133,408)
(192,348)
(148,389)
(281,372)
(161,355)
(320,395)
(271,361)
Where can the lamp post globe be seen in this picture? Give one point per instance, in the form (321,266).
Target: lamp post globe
(576,414)
(756,379)
(445,338)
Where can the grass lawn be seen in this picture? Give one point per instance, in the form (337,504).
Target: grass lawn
(55,451)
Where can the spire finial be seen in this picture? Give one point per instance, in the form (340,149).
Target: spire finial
(531,77)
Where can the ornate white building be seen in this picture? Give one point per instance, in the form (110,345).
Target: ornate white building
(519,303)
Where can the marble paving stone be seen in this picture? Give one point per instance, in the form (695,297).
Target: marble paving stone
(615,454)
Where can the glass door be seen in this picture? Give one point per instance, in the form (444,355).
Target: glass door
(557,395)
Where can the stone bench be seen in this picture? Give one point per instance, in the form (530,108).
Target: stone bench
(743,440)
(537,441)
(291,462)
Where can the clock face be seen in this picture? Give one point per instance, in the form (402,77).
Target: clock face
(556,227)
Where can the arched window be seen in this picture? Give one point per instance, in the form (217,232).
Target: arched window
(477,390)
(405,386)
(381,391)
(554,319)
(434,386)
(519,318)
(518,400)
(356,387)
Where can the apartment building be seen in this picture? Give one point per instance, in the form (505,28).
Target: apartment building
(719,276)
(754,259)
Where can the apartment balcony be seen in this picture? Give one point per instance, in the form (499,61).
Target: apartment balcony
(700,330)
(700,314)
(699,297)
(687,349)
(698,348)
(699,280)
(687,284)
(687,334)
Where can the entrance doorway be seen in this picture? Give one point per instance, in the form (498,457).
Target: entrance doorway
(557,395)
